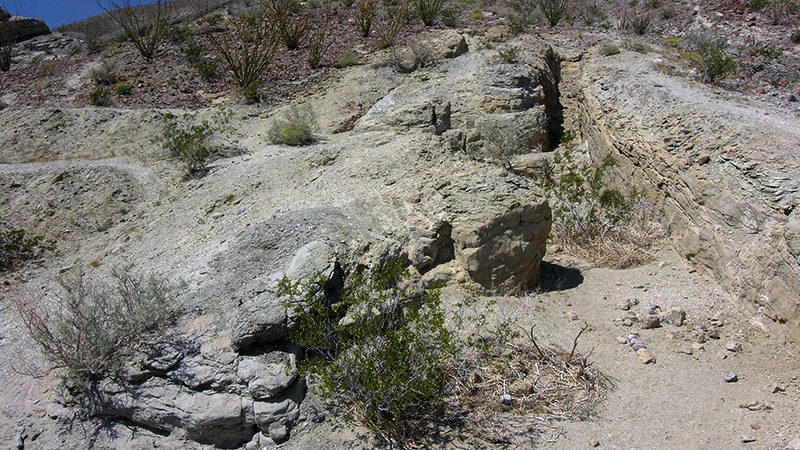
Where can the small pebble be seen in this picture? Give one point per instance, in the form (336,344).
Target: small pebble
(594,443)
(733,346)
(731,377)
(506,399)
(746,439)
(572,315)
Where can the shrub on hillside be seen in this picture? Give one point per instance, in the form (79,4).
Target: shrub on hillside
(712,60)
(554,10)
(104,74)
(6,47)
(88,326)
(429,10)
(380,350)
(390,21)
(145,27)
(295,127)
(366,13)
(247,48)
(100,97)
(600,222)
(18,246)
(319,39)
(188,140)
(608,49)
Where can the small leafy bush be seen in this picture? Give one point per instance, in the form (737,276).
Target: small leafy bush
(609,49)
(509,54)
(100,97)
(188,140)
(122,88)
(780,12)
(795,36)
(502,140)
(712,60)
(89,327)
(104,74)
(600,222)
(295,127)
(641,23)
(18,246)
(379,350)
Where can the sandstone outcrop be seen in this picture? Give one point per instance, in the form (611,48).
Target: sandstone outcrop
(724,174)
(21,29)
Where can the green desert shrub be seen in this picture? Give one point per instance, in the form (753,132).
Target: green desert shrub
(88,327)
(795,36)
(294,127)
(379,350)
(122,88)
(509,55)
(596,220)
(450,17)
(100,97)
(711,59)
(188,139)
(18,246)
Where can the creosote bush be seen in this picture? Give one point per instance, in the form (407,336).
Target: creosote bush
(100,97)
(600,222)
(713,62)
(145,27)
(389,353)
(379,349)
(88,326)
(188,140)
(18,246)
(294,127)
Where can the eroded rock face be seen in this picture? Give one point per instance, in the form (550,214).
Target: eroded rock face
(392,188)
(725,175)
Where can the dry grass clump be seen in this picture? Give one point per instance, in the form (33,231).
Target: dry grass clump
(527,387)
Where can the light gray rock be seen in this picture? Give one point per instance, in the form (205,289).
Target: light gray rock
(731,377)
(267,375)
(675,316)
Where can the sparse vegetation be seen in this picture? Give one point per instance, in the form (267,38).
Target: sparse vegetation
(319,40)
(88,327)
(795,36)
(502,140)
(596,221)
(429,10)
(366,13)
(6,47)
(18,246)
(145,27)
(554,10)
(122,88)
(609,49)
(295,127)
(100,97)
(391,20)
(188,140)
(450,17)
(397,361)
(711,59)
(104,74)
(509,54)
(247,49)
(347,59)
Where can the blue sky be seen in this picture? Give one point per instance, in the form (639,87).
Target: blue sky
(58,12)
